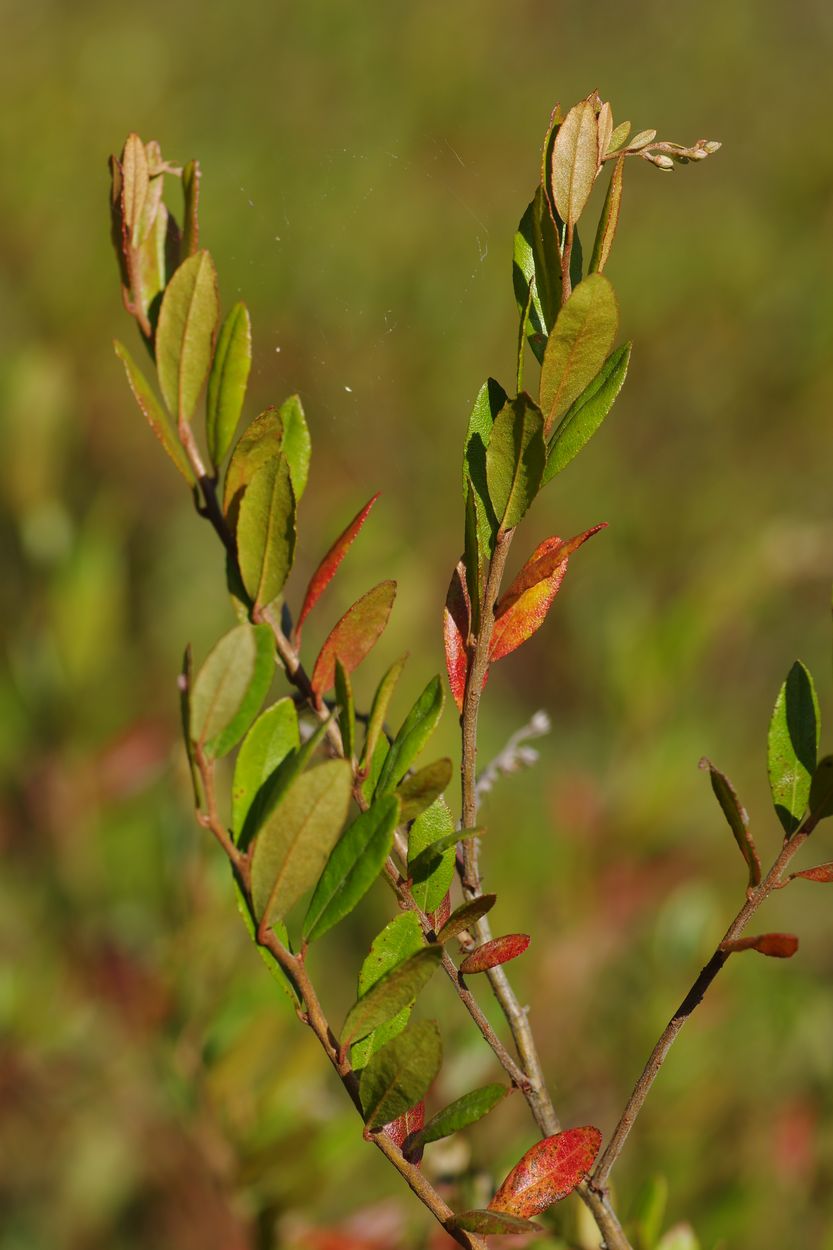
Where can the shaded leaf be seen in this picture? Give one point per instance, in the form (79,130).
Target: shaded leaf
(578,346)
(297,446)
(423,862)
(354,864)
(186,682)
(399,939)
(405,1126)
(537,268)
(185,333)
(821,789)
(609,219)
(259,443)
(495,1223)
(396,990)
(326,570)
(515,460)
(191,175)
(430,889)
(575,161)
(266,531)
(472,558)
(154,413)
(821,872)
(398,1076)
(378,711)
(461,1113)
(354,636)
(346,709)
(455,635)
(775,945)
(497,951)
(230,687)
(588,412)
(415,731)
(267,744)
(293,844)
(736,817)
(491,398)
(792,745)
(227,381)
(549,1171)
(421,789)
(465,916)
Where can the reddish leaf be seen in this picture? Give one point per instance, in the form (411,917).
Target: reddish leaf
(354,636)
(495,1223)
(441,915)
(455,632)
(326,570)
(821,872)
(465,917)
(402,1128)
(776,945)
(498,951)
(548,1172)
(524,607)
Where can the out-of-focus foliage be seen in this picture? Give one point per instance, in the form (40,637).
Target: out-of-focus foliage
(366,175)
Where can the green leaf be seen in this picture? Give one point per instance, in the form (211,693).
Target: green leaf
(737,819)
(649,1211)
(428,829)
(371,772)
(465,916)
(578,346)
(185,334)
(680,1237)
(150,271)
(378,710)
(537,265)
(272,737)
(792,746)
(399,1075)
(297,446)
(354,864)
(266,955)
(421,789)
(266,531)
(278,782)
(461,1113)
(227,381)
(472,560)
(491,398)
(230,687)
(575,161)
(154,413)
(821,789)
(346,710)
(609,219)
(617,139)
(422,862)
(259,443)
(495,1223)
(515,460)
(416,729)
(190,219)
(587,413)
(396,990)
(296,838)
(399,939)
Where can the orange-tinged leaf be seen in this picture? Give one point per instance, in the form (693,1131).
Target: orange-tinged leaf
(326,570)
(354,635)
(776,945)
(455,633)
(821,872)
(548,1172)
(524,607)
(405,1126)
(497,951)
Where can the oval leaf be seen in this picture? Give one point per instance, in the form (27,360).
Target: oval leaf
(421,789)
(272,737)
(354,636)
(326,570)
(227,381)
(297,446)
(259,443)
(575,161)
(775,945)
(548,1172)
(185,334)
(455,635)
(266,531)
(154,413)
(578,346)
(491,398)
(822,873)
(498,951)
(430,887)
(792,746)
(293,844)
(396,990)
(405,1126)
(416,729)
(515,460)
(426,860)
(231,686)
(354,864)
(399,1075)
(736,817)
(399,939)
(588,412)
(465,916)
(461,1113)
(495,1223)
(378,711)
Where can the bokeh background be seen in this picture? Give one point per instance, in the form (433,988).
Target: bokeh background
(364,169)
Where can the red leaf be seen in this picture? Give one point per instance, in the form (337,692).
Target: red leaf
(439,917)
(354,636)
(548,1172)
(524,607)
(455,632)
(821,872)
(402,1128)
(776,945)
(326,570)
(498,951)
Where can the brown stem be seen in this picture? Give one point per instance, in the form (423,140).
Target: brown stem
(694,996)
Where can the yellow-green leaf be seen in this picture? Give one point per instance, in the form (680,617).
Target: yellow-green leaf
(185,334)
(230,687)
(578,346)
(227,381)
(266,531)
(154,413)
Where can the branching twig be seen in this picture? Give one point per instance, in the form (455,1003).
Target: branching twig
(515,755)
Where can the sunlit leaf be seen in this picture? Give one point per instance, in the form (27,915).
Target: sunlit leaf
(424,786)
(293,843)
(267,744)
(461,1113)
(399,1074)
(422,862)
(354,864)
(326,570)
(515,460)
(414,733)
(155,414)
(619,136)
(230,687)
(577,347)
(190,218)
(575,161)
(466,916)
(775,945)
(823,873)
(378,710)
(549,1171)
(587,413)
(396,990)
(266,531)
(278,782)
(736,817)
(405,1126)
(346,709)
(455,635)
(259,443)
(185,334)
(792,745)
(497,951)
(491,398)
(435,823)
(537,264)
(354,636)
(609,219)
(495,1223)
(399,939)
(150,268)
(297,446)
(134,167)
(227,381)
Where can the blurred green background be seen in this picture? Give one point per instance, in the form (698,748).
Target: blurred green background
(364,167)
